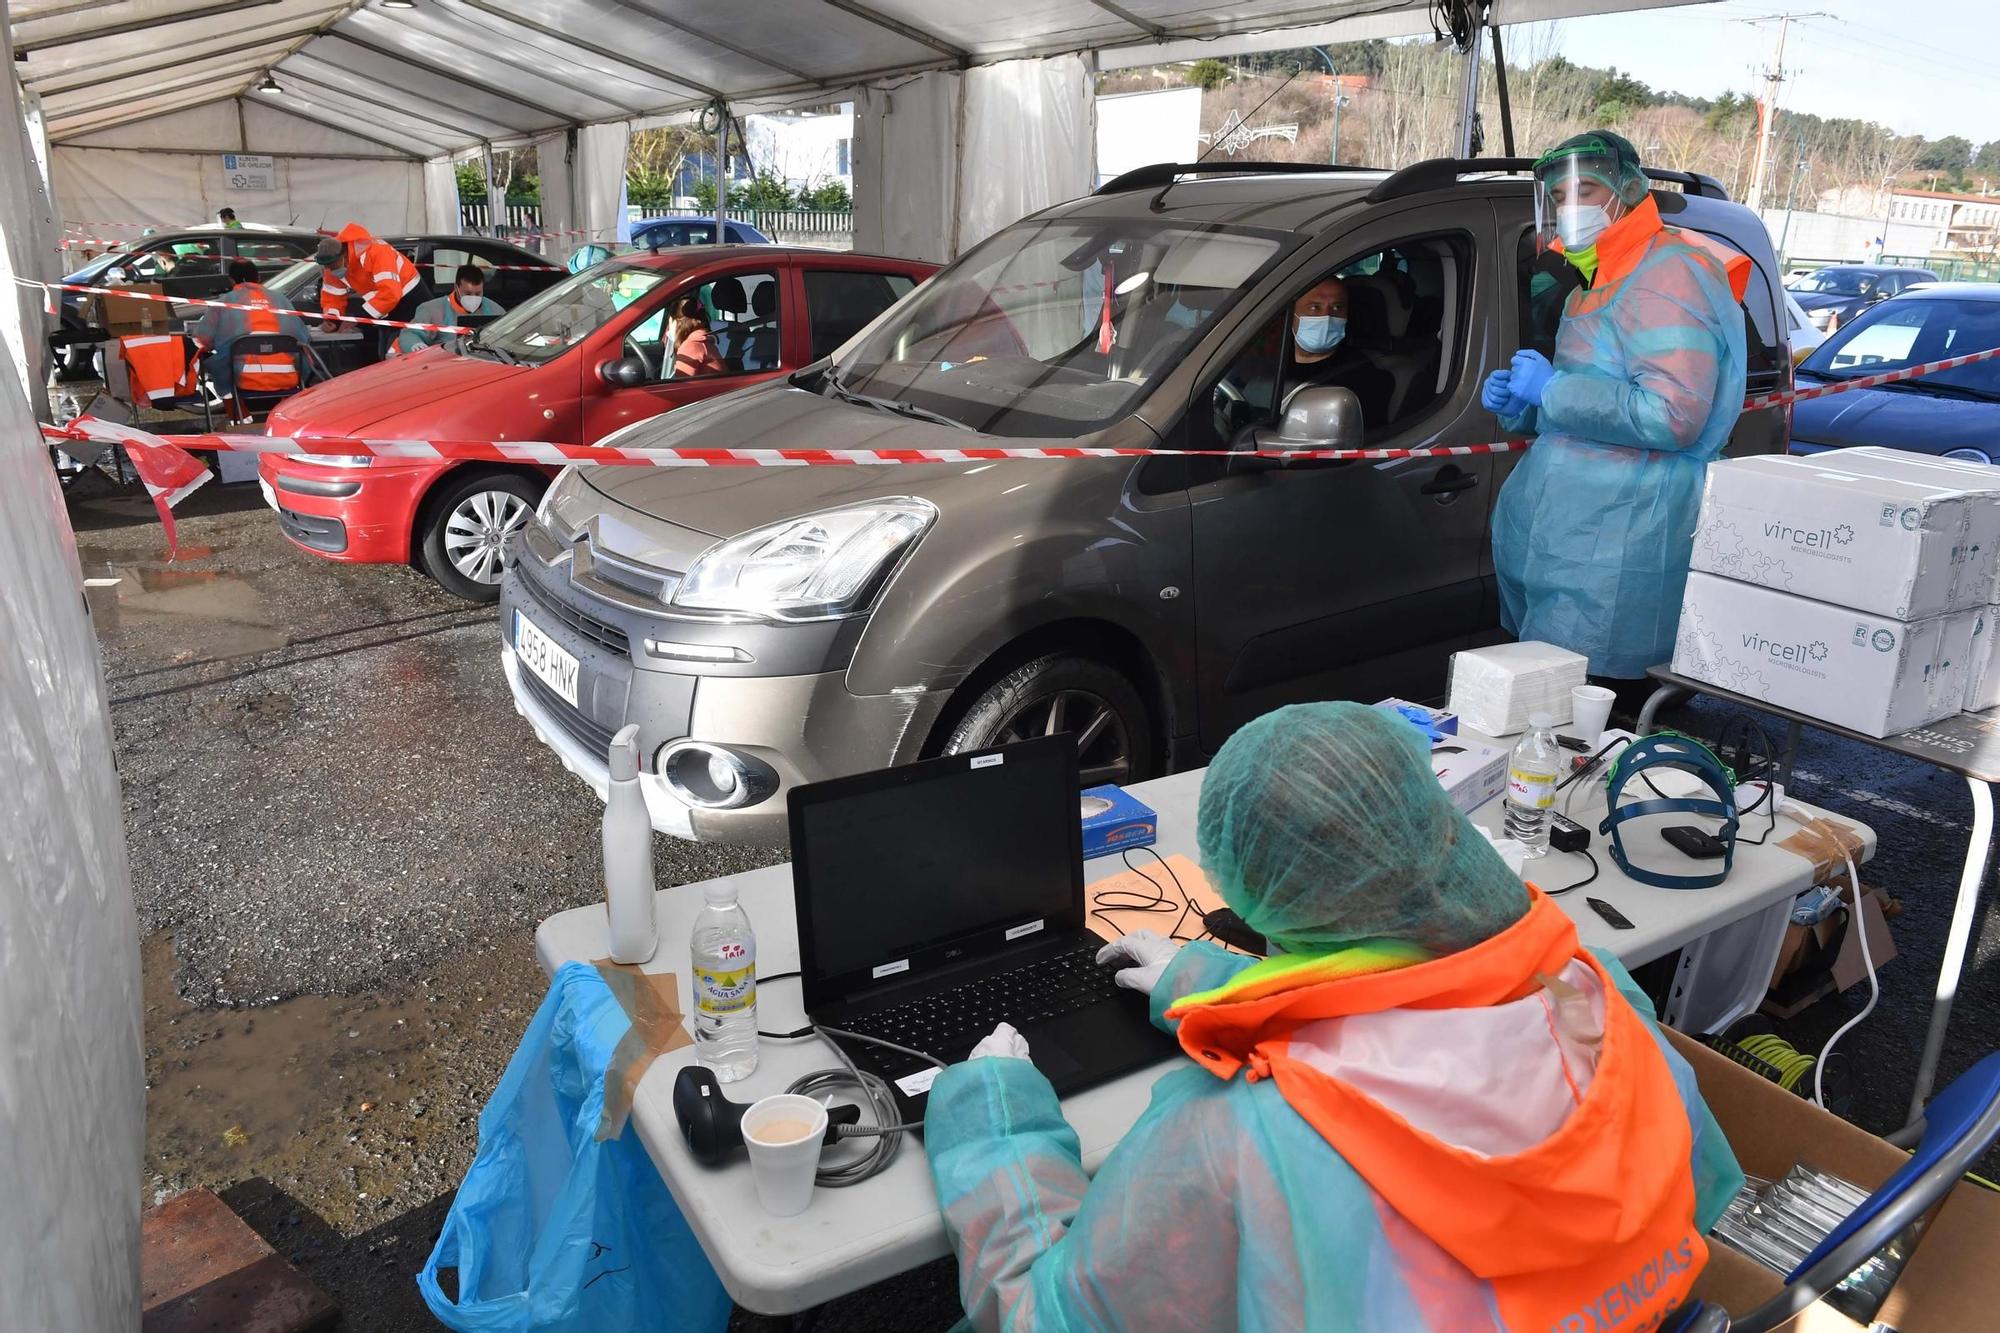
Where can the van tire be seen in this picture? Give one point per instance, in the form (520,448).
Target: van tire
(1082,695)
(473,497)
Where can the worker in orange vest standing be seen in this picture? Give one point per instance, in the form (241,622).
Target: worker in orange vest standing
(388,284)
(250,309)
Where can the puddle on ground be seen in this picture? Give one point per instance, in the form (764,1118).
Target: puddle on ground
(228,610)
(360,1106)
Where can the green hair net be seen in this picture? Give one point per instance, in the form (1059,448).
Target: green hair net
(1322,825)
(1609,157)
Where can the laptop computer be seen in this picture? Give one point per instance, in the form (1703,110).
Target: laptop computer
(941,898)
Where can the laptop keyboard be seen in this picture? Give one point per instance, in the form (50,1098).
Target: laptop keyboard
(946,1023)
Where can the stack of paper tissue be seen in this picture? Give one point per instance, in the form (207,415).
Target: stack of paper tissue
(1496,690)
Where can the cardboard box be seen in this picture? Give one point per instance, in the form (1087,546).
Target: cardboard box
(1806,947)
(1872,673)
(1978,482)
(130,317)
(1892,546)
(1122,822)
(1951,1282)
(1982,676)
(1470,772)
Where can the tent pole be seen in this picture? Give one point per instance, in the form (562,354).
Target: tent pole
(1468,106)
(1506,106)
(721,172)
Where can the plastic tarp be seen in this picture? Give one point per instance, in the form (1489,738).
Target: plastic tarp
(27,244)
(72,1072)
(944,160)
(440,195)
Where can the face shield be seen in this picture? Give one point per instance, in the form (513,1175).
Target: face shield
(1581,189)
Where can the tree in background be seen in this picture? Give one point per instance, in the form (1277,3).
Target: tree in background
(471,182)
(1987,160)
(1952,154)
(763,193)
(649,190)
(827,197)
(1208,74)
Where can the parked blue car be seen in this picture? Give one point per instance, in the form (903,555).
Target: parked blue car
(664,233)
(1955,413)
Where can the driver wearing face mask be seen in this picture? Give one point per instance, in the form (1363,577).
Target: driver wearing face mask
(1321,354)
(466,298)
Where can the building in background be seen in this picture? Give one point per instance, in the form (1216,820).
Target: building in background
(1134,129)
(805,149)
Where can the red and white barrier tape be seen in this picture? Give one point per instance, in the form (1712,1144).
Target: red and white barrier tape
(49,288)
(1867,381)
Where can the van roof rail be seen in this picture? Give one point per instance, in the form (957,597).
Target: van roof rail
(1441,173)
(1166,173)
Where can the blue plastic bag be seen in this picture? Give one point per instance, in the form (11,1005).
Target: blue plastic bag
(553,1230)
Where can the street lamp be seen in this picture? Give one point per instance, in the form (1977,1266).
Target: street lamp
(1339,101)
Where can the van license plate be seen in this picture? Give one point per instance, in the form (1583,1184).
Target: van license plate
(542,655)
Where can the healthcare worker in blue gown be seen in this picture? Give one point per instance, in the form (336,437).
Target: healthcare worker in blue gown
(1593,530)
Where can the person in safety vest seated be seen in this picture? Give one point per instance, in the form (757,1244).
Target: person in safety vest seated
(251,309)
(381,275)
(466,298)
(1430,1108)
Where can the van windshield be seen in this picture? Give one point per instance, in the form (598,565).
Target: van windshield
(553,321)
(1055,328)
(1835,282)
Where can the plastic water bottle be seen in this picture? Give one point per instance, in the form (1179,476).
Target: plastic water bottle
(724,954)
(1532,773)
(628,856)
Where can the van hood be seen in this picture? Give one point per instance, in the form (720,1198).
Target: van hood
(723,501)
(361,400)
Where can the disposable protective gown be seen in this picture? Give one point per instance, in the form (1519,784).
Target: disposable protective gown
(1225,1208)
(1592,532)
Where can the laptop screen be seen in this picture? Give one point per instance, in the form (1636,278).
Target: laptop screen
(920,866)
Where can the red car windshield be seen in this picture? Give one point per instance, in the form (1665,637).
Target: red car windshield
(556,320)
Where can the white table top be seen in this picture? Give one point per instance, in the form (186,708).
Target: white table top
(856,1236)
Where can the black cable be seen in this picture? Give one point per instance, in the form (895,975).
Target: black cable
(777,976)
(1135,901)
(1585,853)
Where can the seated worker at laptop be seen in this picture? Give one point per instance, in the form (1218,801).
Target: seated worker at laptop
(247,308)
(467,297)
(1433,1109)
(1321,354)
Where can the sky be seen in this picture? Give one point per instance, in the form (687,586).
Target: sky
(1926,67)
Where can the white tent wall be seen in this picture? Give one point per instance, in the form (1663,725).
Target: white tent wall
(906,167)
(944,160)
(72,1072)
(29,227)
(440,195)
(552,165)
(169,172)
(598,182)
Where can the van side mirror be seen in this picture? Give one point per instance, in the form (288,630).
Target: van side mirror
(1316,416)
(627,372)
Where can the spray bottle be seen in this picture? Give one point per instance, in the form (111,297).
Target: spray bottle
(628,855)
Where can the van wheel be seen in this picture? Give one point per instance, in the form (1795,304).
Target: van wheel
(468,526)
(1057,695)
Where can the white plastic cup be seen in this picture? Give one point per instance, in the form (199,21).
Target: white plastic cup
(783,1133)
(1590,712)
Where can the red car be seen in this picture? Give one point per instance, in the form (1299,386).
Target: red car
(574,364)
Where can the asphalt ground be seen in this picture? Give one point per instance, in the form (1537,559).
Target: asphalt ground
(342,839)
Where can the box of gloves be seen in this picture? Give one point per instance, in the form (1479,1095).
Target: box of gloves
(1857,669)
(1907,546)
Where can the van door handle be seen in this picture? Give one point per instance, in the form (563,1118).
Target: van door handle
(1449,480)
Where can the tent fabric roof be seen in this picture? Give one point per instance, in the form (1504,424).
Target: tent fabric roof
(447,75)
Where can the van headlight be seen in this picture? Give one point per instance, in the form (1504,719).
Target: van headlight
(811,568)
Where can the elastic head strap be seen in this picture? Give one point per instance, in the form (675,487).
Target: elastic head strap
(1670,750)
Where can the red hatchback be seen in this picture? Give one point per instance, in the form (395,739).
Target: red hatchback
(581,360)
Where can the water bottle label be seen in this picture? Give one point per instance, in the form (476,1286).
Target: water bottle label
(1537,791)
(719,992)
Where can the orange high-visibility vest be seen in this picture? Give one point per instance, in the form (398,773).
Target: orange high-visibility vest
(377,270)
(161,367)
(271,372)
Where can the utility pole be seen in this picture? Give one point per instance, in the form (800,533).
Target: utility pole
(1767,106)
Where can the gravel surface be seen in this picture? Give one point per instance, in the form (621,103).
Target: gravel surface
(342,839)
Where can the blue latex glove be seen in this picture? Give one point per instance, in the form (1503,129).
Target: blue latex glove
(1497,393)
(1530,374)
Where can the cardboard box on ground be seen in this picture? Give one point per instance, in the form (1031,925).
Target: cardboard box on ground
(1805,950)
(1951,1283)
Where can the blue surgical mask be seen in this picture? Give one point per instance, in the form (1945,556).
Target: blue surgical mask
(1320,333)
(1581,224)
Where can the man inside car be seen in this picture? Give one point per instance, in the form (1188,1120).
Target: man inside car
(1321,354)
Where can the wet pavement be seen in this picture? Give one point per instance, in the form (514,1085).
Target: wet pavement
(342,839)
